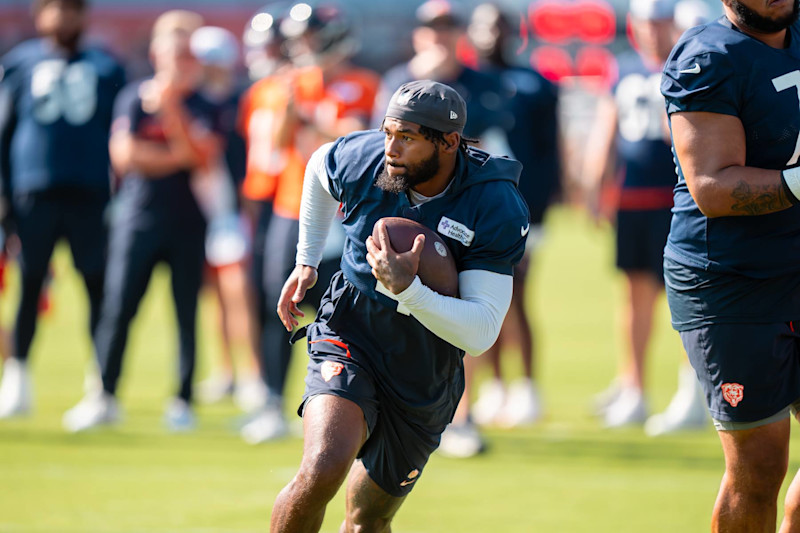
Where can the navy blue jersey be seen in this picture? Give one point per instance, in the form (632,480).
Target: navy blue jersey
(57,118)
(484,221)
(716,68)
(643,154)
(168,201)
(484,95)
(482,218)
(532,134)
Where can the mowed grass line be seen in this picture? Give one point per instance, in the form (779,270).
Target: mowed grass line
(565,475)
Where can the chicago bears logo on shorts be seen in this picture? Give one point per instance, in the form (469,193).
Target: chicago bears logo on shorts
(330,369)
(733,393)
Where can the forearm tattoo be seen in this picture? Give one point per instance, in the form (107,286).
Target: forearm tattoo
(761,200)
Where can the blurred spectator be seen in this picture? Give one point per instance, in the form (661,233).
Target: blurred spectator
(227,242)
(532,139)
(687,408)
(435,41)
(266,60)
(264,50)
(630,146)
(690,13)
(55,112)
(163,132)
(321,99)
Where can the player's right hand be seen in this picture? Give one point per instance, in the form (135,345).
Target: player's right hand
(302,278)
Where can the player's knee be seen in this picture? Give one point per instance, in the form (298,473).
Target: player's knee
(360,521)
(323,472)
(760,476)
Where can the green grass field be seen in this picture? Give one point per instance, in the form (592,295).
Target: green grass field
(565,475)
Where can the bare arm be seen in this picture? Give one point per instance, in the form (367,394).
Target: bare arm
(711,149)
(599,161)
(198,147)
(186,148)
(152,159)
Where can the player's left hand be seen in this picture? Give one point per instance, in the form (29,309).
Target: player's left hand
(396,271)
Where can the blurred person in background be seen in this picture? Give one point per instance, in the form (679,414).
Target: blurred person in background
(687,408)
(264,50)
(436,41)
(227,240)
(630,148)
(56,101)
(690,13)
(164,132)
(266,61)
(532,139)
(323,97)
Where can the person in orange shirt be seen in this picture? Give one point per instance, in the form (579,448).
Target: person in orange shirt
(323,97)
(259,110)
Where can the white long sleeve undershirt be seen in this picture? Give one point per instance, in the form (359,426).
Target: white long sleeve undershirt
(471,322)
(317,209)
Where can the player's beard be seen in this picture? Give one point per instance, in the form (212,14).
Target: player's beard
(414,175)
(759,23)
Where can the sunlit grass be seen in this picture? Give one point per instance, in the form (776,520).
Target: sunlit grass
(564,475)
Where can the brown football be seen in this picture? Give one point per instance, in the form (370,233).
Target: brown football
(437,268)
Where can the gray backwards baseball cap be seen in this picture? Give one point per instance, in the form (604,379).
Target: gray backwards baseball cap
(429,103)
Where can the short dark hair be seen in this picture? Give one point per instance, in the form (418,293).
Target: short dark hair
(436,136)
(38,5)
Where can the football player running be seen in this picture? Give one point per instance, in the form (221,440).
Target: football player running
(385,368)
(732,259)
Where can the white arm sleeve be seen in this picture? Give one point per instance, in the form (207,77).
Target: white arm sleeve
(317,209)
(471,322)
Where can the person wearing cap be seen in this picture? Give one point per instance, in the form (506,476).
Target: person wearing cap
(629,150)
(227,241)
(56,100)
(435,41)
(732,261)
(385,370)
(163,132)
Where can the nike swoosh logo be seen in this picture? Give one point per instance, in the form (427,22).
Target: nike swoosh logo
(694,70)
(407,482)
(524,231)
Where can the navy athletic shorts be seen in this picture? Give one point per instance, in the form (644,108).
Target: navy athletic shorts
(396,450)
(641,236)
(401,436)
(749,372)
